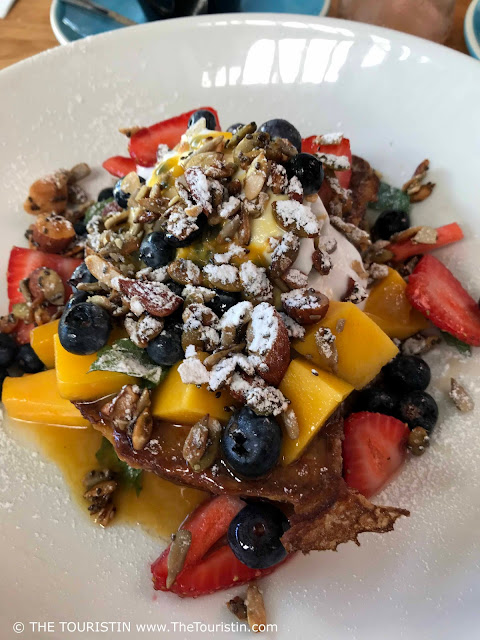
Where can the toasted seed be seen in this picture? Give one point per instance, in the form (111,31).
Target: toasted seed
(176,556)
(290,423)
(21,311)
(95,476)
(115,219)
(184,272)
(423,193)
(211,360)
(78,172)
(322,262)
(237,607)
(229,229)
(100,490)
(326,345)
(240,135)
(417,345)
(418,441)
(142,430)
(47,283)
(256,615)
(106,515)
(461,398)
(196,442)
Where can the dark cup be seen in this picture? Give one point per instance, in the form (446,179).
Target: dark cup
(159,9)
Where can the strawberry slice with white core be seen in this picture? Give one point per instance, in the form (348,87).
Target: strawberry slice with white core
(374,449)
(434,291)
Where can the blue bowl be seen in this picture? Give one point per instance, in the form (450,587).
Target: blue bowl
(72,23)
(471,29)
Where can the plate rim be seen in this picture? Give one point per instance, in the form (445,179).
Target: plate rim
(436,50)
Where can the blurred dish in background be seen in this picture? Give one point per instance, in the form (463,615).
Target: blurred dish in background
(73,22)
(431,19)
(472,28)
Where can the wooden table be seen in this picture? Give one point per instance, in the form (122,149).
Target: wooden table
(26,30)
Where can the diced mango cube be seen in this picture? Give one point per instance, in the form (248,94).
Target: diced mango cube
(180,403)
(387,306)
(41,339)
(75,382)
(35,398)
(313,397)
(363,348)
(262,229)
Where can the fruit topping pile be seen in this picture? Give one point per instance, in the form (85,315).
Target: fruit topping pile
(212,312)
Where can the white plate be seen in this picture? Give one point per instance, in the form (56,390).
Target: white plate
(400,99)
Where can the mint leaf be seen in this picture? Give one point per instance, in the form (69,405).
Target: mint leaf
(390,198)
(95,209)
(461,347)
(125,357)
(129,477)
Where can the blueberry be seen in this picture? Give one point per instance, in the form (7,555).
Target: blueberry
(233,128)
(8,349)
(251,444)
(222,301)
(173,241)
(120,196)
(254,535)
(177,289)
(390,222)
(407,373)
(3,375)
(84,329)
(105,194)
(210,120)
(155,251)
(76,298)
(81,275)
(28,359)
(418,409)
(377,400)
(166,349)
(80,228)
(309,171)
(279,128)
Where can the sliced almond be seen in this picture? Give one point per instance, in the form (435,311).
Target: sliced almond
(103,271)
(256,177)
(154,297)
(256,614)
(425,235)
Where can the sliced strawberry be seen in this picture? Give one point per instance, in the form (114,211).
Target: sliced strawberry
(342,149)
(23,261)
(447,234)
(144,143)
(219,570)
(119,166)
(373,450)
(208,523)
(435,292)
